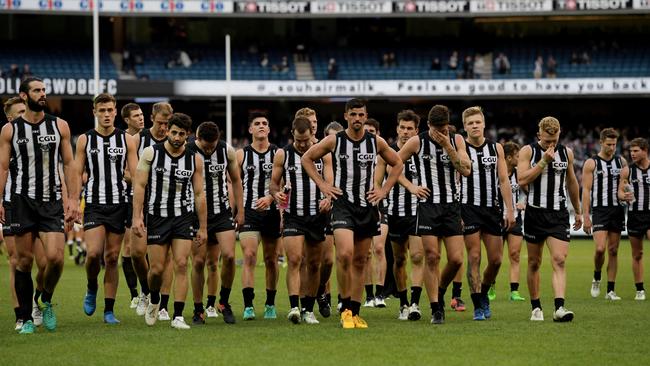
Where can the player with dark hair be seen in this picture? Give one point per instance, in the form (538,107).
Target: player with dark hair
(174,199)
(634,188)
(261,215)
(355,218)
(220,164)
(37,142)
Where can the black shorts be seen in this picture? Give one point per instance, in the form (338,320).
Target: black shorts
(219,223)
(401,227)
(6,227)
(516,230)
(439,219)
(638,223)
(112,217)
(328,224)
(540,223)
(608,218)
(36,216)
(364,221)
(129,213)
(312,227)
(266,222)
(162,230)
(484,219)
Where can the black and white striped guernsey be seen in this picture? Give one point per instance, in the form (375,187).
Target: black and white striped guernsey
(36,150)
(105,166)
(436,170)
(516,191)
(305,195)
(354,166)
(480,188)
(215,183)
(548,190)
(640,181)
(10,187)
(256,171)
(401,202)
(604,190)
(146,140)
(170,190)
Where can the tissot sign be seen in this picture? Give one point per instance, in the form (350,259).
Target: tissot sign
(441,6)
(592,4)
(510,6)
(272,7)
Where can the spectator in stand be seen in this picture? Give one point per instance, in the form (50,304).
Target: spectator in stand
(392,60)
(453,61)
(385,63)
(585,59)
(264,61)
(539,65)
(128,61)
(14,72)
(27,72)
(551,67)
(332,70)
(283,66)
(502,64)
(301,51)
(435,64)
(574,58)
(468,68)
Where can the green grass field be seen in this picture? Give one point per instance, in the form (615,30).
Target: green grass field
(602,332)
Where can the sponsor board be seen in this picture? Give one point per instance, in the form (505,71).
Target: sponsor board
(63,86)
(510,6)
(442,6)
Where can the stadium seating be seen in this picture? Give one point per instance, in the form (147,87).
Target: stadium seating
(58,62)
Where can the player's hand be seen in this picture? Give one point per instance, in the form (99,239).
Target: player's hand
(281,198)
(138,228)
(264,203)
(521,206)
(509,221)
(587,225)
(72,213)
(441,139)
(330,191)
(239,218)
(628,196)
(324,205)
(376,195)
(419,191)
(549,154)
(578,223)
(201,236)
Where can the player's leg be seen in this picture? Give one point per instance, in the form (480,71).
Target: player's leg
(212,265)
(535,251)
(95,238)
(313,250)
(54,246)
(249,241)
(181,249)
(111,273)
(613,241)
(559,250)
(514,255)
(272,273)
(227,246)
(165,288)
(199,254)
(293,246)
(494,250)
(416,253)
(600,244)
(379,265)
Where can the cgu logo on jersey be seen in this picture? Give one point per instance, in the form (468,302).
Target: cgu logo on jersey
(412,168)
(559,166)
(267,167)
(183,174)
(365,158)
(489,160)
(616,172)
(114,152)
(445,159)
(45,141)
(217,168)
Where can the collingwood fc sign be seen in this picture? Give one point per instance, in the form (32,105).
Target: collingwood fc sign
(63,86)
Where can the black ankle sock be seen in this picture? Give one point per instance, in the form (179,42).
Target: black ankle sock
(416,291)
(92,285)
(155,297)
(514,286)
(476,300)
(456,289)
(485,288)
(347,304)
(270,297)
(178,308)
(536,303)
(294,301)
(164,300)
(37,295)
(369,293)
(249,295)
(24,291)
(321,290)
(434,307)
(108,305)
(310,300)
(224,295)
(559,301)
(403,300)
(355,307)
(198,307)
(610,286)
(47,297)
(597,275)
(441,294)
(639,286)
(379,290)
(211,300)
(144,287)
(130,276)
